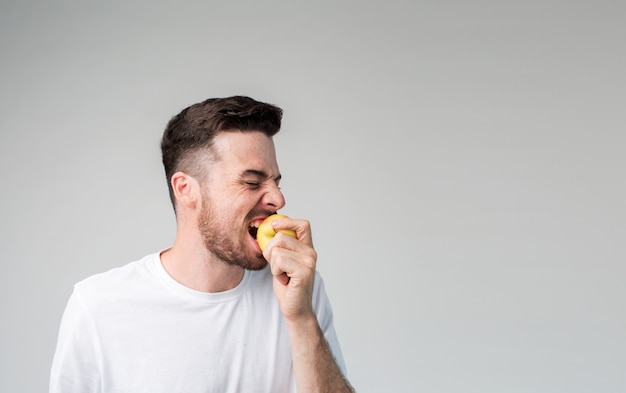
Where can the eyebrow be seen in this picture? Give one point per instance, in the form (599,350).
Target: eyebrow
(261,174)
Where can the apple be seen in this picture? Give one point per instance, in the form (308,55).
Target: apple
(266,231)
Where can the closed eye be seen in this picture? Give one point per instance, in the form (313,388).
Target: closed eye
(254,179)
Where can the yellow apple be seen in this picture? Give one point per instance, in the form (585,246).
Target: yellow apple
(266,231)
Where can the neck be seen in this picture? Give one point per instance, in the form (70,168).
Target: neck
(196,268)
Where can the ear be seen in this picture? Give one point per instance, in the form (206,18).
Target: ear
(186,190)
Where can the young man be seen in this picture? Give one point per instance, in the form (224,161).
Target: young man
(213,313)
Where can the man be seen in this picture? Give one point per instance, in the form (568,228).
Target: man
(209,314)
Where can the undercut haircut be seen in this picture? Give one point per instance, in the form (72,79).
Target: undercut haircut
(194,129)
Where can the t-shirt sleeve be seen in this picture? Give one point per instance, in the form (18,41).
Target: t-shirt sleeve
(324,312)
(76,364)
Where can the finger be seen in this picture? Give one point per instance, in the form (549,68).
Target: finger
(291,264)
(302,253)
(282,278)
(300,226)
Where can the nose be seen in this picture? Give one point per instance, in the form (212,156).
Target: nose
(274,199)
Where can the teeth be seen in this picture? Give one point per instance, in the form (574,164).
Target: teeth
(254,225)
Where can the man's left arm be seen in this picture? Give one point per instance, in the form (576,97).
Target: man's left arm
(293,264)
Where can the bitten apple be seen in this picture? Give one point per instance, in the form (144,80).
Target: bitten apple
(266,231)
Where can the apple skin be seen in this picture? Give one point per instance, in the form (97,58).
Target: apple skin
(266,231)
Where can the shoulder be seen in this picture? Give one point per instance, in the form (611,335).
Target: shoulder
(116,281)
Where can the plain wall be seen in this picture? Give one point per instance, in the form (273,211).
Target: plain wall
(462,165)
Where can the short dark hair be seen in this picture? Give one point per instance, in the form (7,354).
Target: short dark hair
(196,126)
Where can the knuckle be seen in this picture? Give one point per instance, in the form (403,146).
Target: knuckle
(306,225)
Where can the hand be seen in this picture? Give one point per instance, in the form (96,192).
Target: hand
(292,262)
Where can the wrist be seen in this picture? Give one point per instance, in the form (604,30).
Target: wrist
(306,321)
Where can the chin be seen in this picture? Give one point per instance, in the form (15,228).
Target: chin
(258,264)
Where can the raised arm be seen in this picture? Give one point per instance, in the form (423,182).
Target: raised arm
(293,263)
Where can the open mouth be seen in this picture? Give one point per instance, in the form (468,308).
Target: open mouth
(253,226)
(253,229)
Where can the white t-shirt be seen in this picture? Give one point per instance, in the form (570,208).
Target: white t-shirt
(135,329)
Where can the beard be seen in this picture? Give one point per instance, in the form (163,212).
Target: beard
(219,242)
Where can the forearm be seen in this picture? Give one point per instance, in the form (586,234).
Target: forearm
(314,365)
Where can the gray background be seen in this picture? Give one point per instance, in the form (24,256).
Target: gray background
(462,164)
